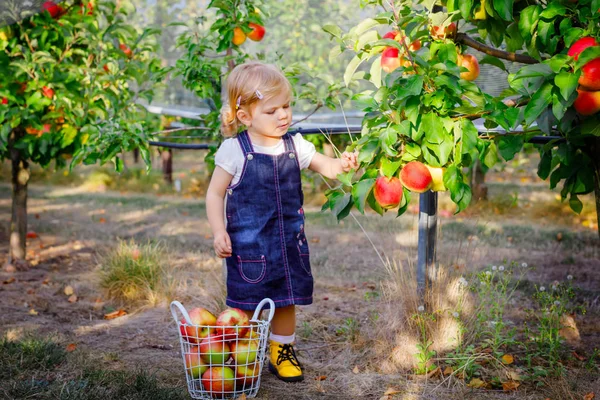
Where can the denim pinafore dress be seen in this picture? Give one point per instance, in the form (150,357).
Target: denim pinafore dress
(265,221)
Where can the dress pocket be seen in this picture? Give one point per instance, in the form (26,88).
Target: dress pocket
(304,258)
(252,268)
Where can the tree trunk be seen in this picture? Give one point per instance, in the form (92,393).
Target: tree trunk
(595,154)
(18,223)
(136,155)
(166,156)
(478,186)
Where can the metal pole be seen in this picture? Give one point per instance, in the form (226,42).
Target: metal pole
(428,202)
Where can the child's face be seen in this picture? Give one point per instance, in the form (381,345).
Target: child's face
(271,117)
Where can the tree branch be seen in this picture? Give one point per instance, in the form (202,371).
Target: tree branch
(521,58)
(319,105)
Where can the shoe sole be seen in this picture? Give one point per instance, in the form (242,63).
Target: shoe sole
(273,370)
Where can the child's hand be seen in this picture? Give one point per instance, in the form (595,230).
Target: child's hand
(222,244)
(349,161)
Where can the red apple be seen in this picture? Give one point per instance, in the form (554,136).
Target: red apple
(232,323)
(4,101)
(442,32)
(90,8)
(587,103)
(469,62)
(54,9)
(388,192)
(199,316)
(48,92)
(258,32)
(399,37)
(416,177)
(125,49)
(219,381)
(214,349)
(194,363)
(244,351)
(390,59)
(580,45)
(239,36)
(590,75)
(246,375)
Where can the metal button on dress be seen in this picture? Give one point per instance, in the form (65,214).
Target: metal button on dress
(250,157)
(292,155)
(230,192)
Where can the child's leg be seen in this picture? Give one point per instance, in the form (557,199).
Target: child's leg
(283,362)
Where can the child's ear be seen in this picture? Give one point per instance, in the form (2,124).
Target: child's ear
(244,117)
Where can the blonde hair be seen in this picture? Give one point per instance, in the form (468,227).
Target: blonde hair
(246,85)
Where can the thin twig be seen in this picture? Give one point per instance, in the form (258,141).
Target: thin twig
(319,105)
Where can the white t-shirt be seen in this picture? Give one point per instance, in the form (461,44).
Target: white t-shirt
(230,156)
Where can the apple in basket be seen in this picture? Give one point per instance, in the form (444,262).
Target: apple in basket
(244,351)
(232,323)
(198,316)
(246,375)
(194,363)
(218,381)
(214,349)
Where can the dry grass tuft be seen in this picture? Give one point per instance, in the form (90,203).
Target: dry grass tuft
(137,274)
(397,328)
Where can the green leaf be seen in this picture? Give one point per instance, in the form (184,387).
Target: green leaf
(553,10)
(333,30)
(375,73)
(575,204)
(431,126)
(493,61)
(504,9)
(388,167)
(528,20)
(514,40)
(465,8)
(509,145)
(360,192)
(545,165)
(346,178)
(351,69)
(567,83)
(490,155)
(119,165)
(539,102)
(413,86)
(339,204)
(368,151)
(405,202)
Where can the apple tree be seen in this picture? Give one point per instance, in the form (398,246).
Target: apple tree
(70,76)
(424,97)
(212,48)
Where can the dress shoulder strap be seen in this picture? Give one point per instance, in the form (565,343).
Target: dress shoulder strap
(245,142)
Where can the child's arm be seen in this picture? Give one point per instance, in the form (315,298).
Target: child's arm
(331,167)
(215,196)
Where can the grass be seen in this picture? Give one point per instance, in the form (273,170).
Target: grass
(42,369)
(136,274)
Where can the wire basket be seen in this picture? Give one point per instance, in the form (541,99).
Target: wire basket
(223,362)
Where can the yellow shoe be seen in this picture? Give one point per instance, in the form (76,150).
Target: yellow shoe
(283,362)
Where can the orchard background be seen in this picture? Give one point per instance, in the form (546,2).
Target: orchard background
(95,243)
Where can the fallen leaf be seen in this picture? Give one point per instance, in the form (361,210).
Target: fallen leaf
(30,291)
(434,372)
(513,375)
(315,240)
(33,312)
(72,298)
(9,280)
(242,397)
(589,396)
(508,359)
(559,236)
(321,378)
(31,235)
(325,298)
(392,390)
(69,290)
(448,371)
(102,220)
(510,385)
(476,383)
(185,213)
(355,370)
(115,314)
(577,356)
(71,347)
(46,281)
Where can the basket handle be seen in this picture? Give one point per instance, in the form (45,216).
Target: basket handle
(177,305)
(259,308)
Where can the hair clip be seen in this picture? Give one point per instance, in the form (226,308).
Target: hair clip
(237,103)
(259,94)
